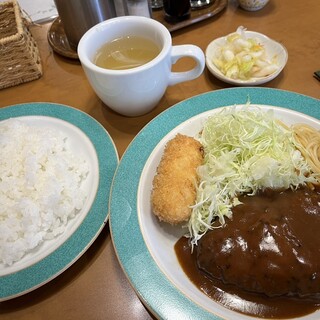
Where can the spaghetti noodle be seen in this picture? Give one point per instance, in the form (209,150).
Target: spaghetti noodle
(308,140)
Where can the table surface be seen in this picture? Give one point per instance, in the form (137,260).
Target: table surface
(95,286)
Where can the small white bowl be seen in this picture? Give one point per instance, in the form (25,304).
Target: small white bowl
(272,47)
(252,5)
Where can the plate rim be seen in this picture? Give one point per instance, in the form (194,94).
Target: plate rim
(26,280)
(158,294)
(52,33)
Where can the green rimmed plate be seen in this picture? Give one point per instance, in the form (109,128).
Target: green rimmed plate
(145,250)
(85,132)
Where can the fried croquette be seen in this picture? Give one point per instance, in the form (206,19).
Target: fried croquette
(174,185)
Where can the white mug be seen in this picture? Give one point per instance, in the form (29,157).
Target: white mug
(136,91)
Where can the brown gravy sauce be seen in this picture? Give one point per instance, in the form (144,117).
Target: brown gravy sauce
(234,298)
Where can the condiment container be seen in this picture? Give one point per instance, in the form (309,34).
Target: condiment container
(139,8)
(252,5)
(176,10)
(78,16)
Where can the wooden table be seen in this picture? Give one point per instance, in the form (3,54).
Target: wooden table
(95,287)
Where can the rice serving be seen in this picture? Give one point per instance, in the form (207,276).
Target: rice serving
(41,187)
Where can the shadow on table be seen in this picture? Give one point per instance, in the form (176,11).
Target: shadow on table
(63,280)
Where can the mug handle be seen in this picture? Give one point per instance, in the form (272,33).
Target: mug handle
(187,50)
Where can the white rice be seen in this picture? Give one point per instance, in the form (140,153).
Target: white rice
(41,189)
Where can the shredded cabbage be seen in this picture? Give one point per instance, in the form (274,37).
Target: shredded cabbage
(243,58)
(245,151)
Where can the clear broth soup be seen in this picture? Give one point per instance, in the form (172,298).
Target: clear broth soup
(126,53)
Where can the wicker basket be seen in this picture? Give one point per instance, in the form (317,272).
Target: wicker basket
(19,56)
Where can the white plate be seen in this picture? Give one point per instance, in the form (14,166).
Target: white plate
(145,247)
(155,233)
(82,148)
(89,140)
(272,47)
